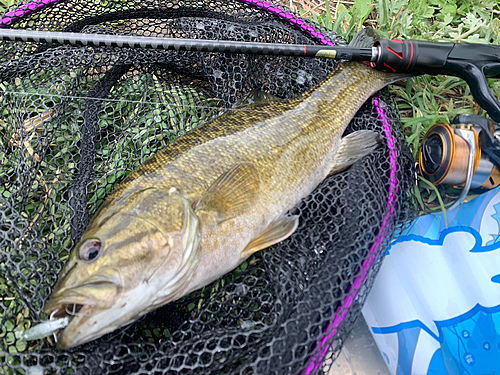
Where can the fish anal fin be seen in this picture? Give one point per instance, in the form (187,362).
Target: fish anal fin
(232,193)
(279,230)
(353,147)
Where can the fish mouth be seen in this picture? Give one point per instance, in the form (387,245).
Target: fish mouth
(80,305)
(72,301)
(69,308)
(66,310)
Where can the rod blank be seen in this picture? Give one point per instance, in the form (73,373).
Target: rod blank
(196,45)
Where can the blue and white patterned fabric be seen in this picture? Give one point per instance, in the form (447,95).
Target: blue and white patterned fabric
(435,306)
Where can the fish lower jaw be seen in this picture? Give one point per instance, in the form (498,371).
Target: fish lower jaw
(78,314)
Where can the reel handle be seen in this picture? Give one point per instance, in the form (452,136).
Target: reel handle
(489,136)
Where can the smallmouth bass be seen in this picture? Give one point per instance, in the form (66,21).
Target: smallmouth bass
(202,205)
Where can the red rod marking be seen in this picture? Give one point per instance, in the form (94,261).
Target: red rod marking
(398,54)
(390,67)
(411,56)
(305,49)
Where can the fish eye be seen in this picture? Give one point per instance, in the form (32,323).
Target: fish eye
(89,250)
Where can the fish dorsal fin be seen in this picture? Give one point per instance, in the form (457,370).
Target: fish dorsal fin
(232,193)
(353,147)
(256,97)
(279,230)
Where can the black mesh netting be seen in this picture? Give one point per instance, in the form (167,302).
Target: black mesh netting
(76,120)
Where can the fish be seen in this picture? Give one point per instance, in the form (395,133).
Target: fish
(206,202)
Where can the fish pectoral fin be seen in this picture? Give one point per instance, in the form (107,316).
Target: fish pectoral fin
(353,147)
(232,193)
(279,230)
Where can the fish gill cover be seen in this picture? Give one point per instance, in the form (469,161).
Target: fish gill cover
(77,120)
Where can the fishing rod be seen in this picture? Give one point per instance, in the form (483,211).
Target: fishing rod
(194,45)
(472,62)
(465,155)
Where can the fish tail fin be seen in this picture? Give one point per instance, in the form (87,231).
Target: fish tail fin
(366,38)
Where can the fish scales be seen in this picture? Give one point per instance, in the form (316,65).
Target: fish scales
(312,122)
(202,205)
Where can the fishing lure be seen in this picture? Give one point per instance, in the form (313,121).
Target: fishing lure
(45,329)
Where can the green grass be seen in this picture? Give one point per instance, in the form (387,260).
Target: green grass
(4,4)
(425,100)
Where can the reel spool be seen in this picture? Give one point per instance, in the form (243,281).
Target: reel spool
(463,156)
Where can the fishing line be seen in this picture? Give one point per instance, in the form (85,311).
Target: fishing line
(174,105)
